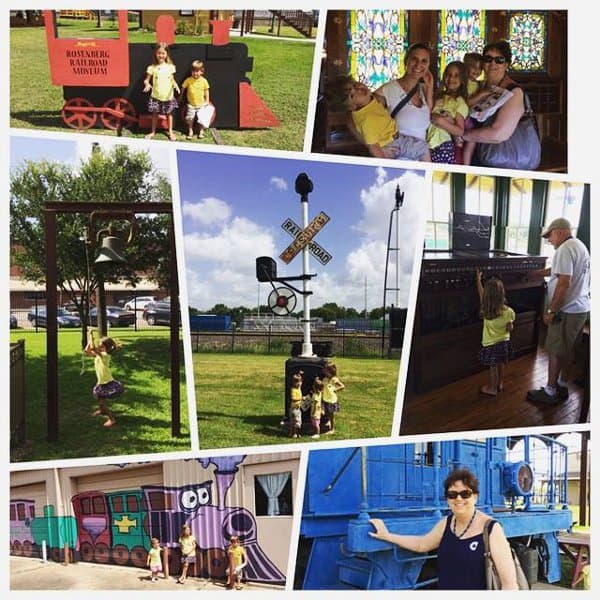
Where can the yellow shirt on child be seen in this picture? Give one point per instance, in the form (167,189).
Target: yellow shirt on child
(494,330)
(163,82)
(102,367)
(237,554)
(374,124)
(196,90)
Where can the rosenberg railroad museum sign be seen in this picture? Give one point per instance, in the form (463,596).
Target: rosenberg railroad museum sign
(304,237)
(317,251)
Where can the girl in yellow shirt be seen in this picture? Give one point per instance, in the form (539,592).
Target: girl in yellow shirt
(498,319)
(106,387)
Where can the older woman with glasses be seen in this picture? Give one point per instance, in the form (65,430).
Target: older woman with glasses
(521,152)
(458,539)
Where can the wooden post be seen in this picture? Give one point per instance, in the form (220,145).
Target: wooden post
(66,553)
(166,562)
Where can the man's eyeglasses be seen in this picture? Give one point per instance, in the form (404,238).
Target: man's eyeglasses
(464,494)
(499,60)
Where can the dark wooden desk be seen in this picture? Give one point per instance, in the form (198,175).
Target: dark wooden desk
(577,547)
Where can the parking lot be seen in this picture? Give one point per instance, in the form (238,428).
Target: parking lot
(23,322)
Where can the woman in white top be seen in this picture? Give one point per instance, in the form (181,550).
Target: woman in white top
(414,117)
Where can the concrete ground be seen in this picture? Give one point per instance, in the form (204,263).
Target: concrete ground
(34,574)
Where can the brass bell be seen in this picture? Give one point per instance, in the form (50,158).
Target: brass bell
(111,251)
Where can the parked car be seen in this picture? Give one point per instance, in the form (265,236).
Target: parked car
(13,321)
(138,303)
(37,317)
(158,313)
(115,316)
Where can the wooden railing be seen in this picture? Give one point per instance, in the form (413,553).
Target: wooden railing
(17,393)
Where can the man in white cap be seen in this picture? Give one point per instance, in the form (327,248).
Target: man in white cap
(568,307)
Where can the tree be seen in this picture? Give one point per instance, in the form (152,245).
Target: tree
(119,175)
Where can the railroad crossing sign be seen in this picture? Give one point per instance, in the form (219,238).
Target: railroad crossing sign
(304,237)
(317,251)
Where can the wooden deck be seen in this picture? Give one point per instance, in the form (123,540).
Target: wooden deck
(459,406)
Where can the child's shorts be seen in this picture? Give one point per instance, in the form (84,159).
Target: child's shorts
(295,417)
(156,569)
(498,353)
(316,422)
(203,114)
(330,408)
(107,391)
(406,147)
(188,559)
(444,153)
(162,107)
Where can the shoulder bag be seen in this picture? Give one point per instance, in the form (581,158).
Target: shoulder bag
(522,150)
(491,575)
(404,101)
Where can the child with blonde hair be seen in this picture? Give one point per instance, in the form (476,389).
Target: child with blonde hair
(160,82)
(195,89)
(331,386)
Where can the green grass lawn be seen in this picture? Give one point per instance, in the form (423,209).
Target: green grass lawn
(281,76)
(240,399)
(143,412)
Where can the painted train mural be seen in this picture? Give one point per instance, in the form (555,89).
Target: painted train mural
(403,485)
(116,527)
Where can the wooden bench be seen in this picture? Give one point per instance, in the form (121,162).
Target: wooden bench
(576,546)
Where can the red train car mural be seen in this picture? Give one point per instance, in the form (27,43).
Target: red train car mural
(116,527)
(102,78)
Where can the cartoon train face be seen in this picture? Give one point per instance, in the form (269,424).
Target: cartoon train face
(117,527)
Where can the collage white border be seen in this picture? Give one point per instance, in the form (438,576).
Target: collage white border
(583,22)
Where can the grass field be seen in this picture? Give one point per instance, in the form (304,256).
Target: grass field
(240,399)
(143,412)
(281,76)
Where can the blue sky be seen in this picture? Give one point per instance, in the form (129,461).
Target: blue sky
(72,151)
(233,208)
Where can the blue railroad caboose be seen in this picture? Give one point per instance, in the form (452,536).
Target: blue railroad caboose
(403,484)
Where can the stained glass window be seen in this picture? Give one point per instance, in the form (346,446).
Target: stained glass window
(459,31)
(527,32)
(377,41)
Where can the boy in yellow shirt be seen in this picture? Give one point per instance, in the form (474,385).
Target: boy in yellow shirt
(237,561)
(371,122)
(196,88)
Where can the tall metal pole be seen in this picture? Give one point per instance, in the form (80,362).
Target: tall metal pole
(303,187)
(399,200)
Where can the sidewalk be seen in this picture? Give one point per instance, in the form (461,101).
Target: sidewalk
(33,574)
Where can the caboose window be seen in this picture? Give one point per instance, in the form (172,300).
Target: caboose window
(117,504)
(21,512)
(273,494)
(86,506)
(98,504)
(158,501)
(132,504)
(13,513)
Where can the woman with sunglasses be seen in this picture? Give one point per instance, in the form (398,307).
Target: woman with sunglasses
(458,539)
(502,125)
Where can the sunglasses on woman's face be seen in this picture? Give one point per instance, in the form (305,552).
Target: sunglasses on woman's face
(499,60)
(464,494)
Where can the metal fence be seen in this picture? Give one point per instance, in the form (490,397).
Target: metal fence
(23,322)
(342,344)
(17,393)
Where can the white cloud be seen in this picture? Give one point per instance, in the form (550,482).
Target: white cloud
(279,183)
(381,176)
(222,268)
(208,211)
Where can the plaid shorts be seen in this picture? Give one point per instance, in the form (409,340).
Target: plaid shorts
(108,391)
(160,107)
